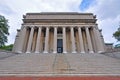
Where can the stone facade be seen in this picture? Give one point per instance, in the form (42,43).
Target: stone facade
(109,48)
(59,33)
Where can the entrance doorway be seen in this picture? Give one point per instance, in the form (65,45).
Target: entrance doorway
(59,45)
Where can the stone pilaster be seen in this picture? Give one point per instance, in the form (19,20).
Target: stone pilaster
(21,39)
(100,47)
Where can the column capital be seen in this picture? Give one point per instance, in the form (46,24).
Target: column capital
(31,26)
(64,27)
(23,27)
(72,27)
(87,27)
(55,27)
(96,28)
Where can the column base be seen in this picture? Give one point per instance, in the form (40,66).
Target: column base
(91,52)
(37,52)
(54,51)
(100,51)
(82,52)
(19,51)
(64,52)
(74,52)
(45,52)
(28,52)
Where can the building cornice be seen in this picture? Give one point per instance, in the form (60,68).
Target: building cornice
(59,25)
(60,20)
(59,16)
(59,13)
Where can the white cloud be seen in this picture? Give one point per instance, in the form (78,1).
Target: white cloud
(108,13)
(106,9)
(14,9)
(109,26)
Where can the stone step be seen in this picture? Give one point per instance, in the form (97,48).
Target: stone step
(59,63)
(93,63)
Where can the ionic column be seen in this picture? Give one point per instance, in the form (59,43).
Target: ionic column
(89,41)
(73,40)
(46,40)
(64,40)
(100,47)
(30,40)
(21,40)
(81,40)
(38,41)
(55,40)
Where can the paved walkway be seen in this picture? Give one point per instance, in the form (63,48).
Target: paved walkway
(113,54)
(58,64)
(62,78)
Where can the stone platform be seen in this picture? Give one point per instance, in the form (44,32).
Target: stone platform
(58,64)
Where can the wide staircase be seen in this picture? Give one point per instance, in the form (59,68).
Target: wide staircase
(61,65)
(58,64)
(93,64)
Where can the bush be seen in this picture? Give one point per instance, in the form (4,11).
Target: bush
(117,46)
(7,47)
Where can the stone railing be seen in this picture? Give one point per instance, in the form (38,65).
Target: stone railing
(113,50)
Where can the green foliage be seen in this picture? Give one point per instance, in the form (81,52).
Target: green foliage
(3,30)
(117,34)
(117,46)
(8,47)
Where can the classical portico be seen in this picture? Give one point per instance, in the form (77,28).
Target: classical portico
(59,33)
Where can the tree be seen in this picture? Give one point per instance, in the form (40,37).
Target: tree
(3,30)
(116,34)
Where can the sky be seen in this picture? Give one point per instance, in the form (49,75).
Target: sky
(107,12)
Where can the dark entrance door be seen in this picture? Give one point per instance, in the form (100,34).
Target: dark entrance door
(59,45)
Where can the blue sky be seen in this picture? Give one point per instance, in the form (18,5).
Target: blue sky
(85,4)
(108,12)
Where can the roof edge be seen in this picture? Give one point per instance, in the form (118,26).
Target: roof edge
(59,13)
